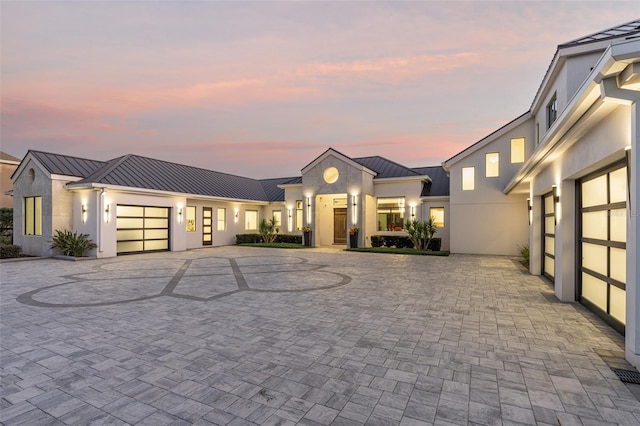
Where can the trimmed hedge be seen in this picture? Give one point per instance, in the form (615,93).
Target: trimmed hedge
(401,241)
(9,251)
(280,238)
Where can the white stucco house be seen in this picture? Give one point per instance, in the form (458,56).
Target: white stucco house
(562,177)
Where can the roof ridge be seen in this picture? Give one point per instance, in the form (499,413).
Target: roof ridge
(35,151)
(590,38)
(108,167)
(385,159)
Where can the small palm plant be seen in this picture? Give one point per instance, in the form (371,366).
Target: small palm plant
(269,230)
(421,233)
(72,244)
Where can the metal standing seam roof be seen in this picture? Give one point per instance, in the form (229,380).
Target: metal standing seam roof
(623,30)
(271,189)
(66,165)
(439,185)
(8,157)
(148,173)
(385,168)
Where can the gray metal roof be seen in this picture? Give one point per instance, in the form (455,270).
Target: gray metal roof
(8,157)
(626,30)
(439,185)
(271,189)
(143,172)
(385,168)
(66,165)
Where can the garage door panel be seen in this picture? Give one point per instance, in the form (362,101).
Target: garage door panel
(594,192)
(594,225)
(618,219)
(618,186)
(618,303)
(142,228)
(594,290)
(618,262)
(594,257)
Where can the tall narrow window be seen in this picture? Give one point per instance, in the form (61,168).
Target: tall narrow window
(537,133)
(251,219)
(552,111)
(517,150)
(299,215)
(191,219)
(437,213)
(492,164)
(390,214)
(33,215)
(277,214)
(468,178)
(222,219)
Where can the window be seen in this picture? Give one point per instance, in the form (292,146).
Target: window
(390,214)
(251,219)
(552,111)
(222,219)
(468,178)
(517,150)
(437,213)
(277,214)
(191,219)
(537,133)
(492,161)
(299,215)
(33,215)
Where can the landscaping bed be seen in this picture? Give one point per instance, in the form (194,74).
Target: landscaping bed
(391,250)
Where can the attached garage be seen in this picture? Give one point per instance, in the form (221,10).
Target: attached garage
(142,229)
(602,220)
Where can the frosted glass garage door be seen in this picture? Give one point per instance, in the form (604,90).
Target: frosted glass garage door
(602,244)
(142,229)
(549,236)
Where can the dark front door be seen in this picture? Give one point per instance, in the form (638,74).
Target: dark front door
(207,223)
(340,226)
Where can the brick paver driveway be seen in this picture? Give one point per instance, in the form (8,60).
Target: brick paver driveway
(260,336)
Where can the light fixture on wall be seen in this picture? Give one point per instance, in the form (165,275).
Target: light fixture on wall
(290,219)
(308,210)
(530,211)
(107,212)
(179,214)
(236,213)
(556,200)
(412,206)
(84,212)
(627,152)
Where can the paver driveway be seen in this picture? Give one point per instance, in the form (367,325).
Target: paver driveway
(242,335)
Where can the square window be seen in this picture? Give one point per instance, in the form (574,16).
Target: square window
(468,178)
(437,213)
(390,214)
(492,164)
(517,150)
(251,220)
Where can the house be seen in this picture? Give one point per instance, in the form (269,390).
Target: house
(561,177)
(8,165)
(134,204)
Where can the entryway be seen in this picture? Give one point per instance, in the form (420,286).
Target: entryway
(340,226)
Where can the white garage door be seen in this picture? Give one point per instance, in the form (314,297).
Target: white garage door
(142,229)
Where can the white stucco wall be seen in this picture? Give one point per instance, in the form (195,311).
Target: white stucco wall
(443,232)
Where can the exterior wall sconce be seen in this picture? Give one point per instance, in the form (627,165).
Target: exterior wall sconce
(627,152)
(413,211)
(290,218)
(179,214)
(236,215)
(84,213)
(107,213)
(556,200)
(308,210)
(530,209)
(354,213)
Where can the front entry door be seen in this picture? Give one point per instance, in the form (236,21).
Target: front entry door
(340,226)
(207,218)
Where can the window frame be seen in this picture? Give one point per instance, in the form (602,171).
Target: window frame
(278,215)
(486,165)
(402,212)
(443,218)
(246,214)
(190,219)
(521,144)
(31,212)
(221,220)
(472,177)
(299,214)
(552,110)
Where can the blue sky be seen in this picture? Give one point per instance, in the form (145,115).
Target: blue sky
(262,88)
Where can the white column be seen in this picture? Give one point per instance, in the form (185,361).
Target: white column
(632,335)
(565,259)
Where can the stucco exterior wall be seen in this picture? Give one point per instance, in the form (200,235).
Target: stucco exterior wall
(6,170)
(443,232)
(485,220)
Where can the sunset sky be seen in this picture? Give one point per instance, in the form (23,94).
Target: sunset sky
(262,88)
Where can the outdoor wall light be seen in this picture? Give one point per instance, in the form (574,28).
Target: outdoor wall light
(290,221)
(354,212)
(556,200)
(236,214)
(107,213)
(530,209)
(308,210)
(413,211)
(179,214)
(84,213)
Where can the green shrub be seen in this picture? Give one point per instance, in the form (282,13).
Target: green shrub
(288,239)
(6,225)
(523,251)
(72,244)
(377,241)
(269,230)
(248,238)
(256,238)
(9,251)
(435,244)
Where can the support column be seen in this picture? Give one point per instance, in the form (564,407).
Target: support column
(565,257)
(632,335)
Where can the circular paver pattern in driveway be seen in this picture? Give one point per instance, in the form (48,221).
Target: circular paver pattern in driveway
(201,279)
(241,336)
